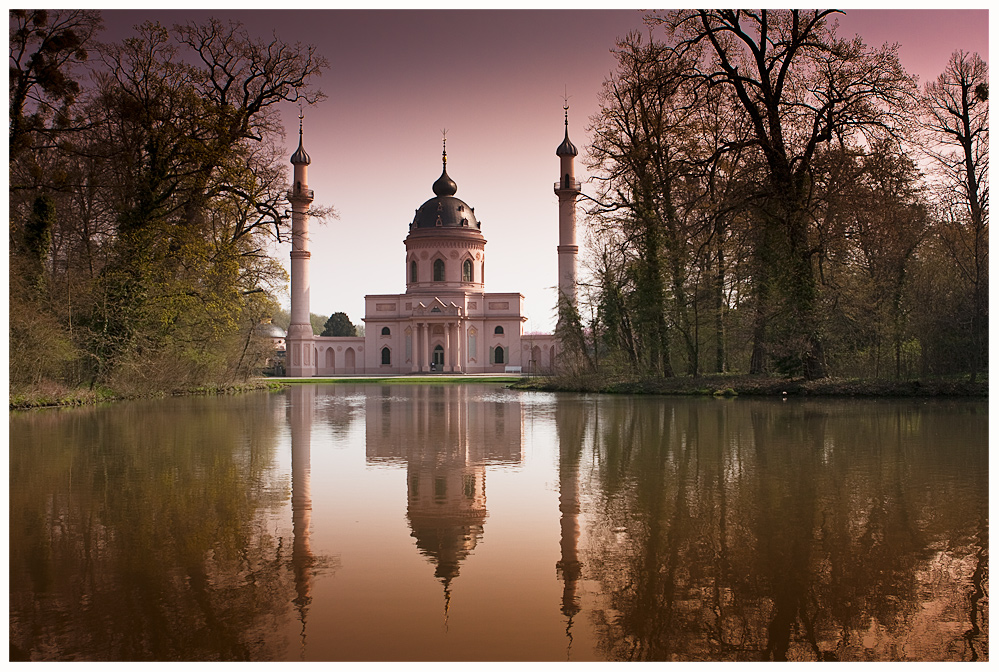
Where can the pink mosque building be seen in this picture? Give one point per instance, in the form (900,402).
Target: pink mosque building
(445,321)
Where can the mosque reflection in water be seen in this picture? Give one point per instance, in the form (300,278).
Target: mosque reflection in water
(446,437)
(446,444)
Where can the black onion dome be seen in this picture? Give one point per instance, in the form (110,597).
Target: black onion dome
(566,148)
(300,157)
(445,186)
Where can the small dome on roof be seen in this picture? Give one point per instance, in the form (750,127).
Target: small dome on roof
(270,330)
(300,157)
(445,186)
(566,148)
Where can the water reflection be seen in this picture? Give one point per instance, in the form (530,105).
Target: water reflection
(677,529)
(446,436)
(301,410)
(804,531)
(570,420)
(136,532)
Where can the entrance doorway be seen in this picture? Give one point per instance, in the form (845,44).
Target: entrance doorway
(438,360)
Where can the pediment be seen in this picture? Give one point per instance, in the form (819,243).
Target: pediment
(437,307)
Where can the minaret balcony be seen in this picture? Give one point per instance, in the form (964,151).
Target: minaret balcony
(301,193)
(567,185)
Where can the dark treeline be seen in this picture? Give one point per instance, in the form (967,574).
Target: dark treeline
(146,182)
(777,199)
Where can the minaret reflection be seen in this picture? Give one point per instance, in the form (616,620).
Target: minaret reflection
(570,422)
(300,411)
(448,436)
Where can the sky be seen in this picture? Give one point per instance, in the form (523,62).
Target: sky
(495,80)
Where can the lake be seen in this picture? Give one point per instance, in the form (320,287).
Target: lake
(470,522)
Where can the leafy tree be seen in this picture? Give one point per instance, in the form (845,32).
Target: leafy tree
(317,322)
(198,187)
(338,324)
(281,318)
(170,186)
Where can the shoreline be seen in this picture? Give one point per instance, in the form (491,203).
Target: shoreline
(712,386)
(58,397)
(70,398)
(763,386)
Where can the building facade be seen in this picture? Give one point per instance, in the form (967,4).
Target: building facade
(445,321)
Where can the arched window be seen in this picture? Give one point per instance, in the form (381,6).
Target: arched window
(498,330)
(386,356)
(386,331)
(438,270)
(466,271)
(412,271)
(499,354)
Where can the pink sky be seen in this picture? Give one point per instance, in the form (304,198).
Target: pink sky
(494,80)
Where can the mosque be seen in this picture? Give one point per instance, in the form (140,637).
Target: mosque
(445,321)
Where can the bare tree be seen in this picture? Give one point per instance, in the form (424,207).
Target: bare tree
(799,86)
(956,108)
(44,47)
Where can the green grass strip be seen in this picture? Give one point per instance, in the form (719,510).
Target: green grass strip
(404,380)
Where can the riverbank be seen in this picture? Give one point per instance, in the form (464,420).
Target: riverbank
(743,385)
(53,395)
(719,386)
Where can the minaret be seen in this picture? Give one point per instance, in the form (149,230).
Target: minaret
(567,189)
(300,348)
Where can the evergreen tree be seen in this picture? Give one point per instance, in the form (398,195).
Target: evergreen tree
(339,324)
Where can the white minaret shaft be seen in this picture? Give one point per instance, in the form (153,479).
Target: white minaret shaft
(301,360)
(567,189)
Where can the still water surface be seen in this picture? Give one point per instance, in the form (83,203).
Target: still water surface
(472,522)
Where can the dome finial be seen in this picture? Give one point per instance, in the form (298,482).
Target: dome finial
(444,153)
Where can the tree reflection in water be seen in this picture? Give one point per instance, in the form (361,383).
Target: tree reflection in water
(753,530)
(148,540)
